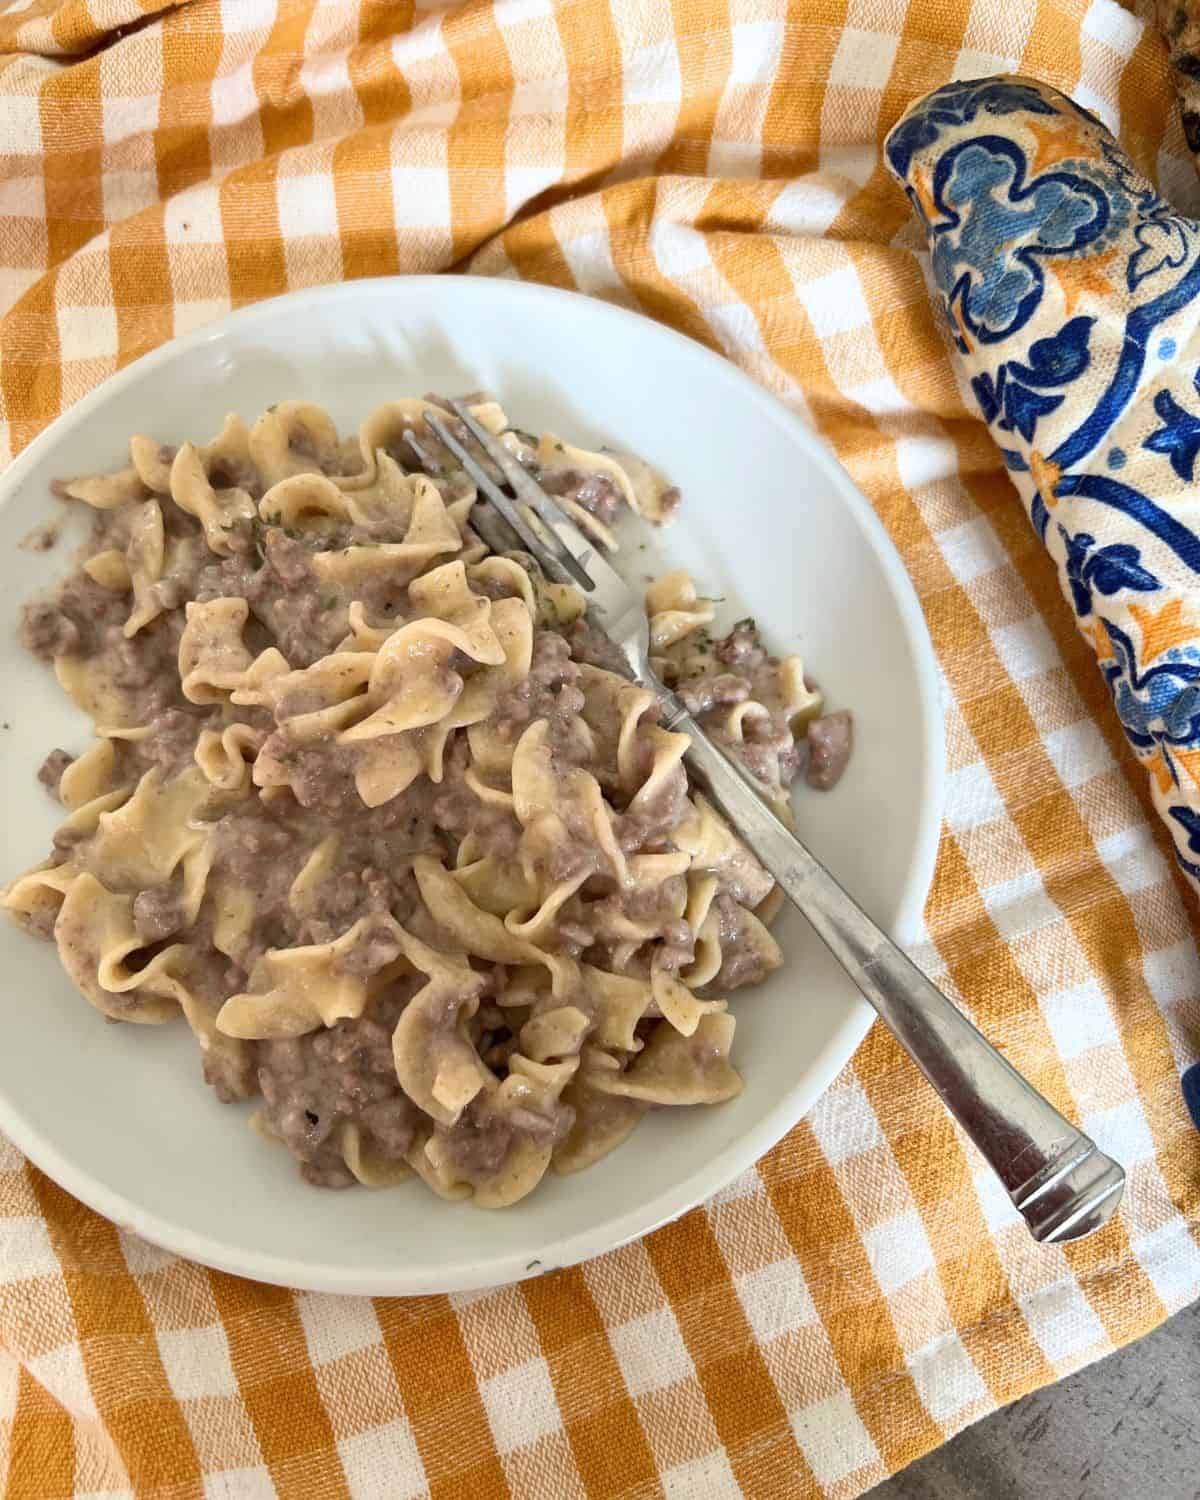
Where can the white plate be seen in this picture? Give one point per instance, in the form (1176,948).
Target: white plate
(118,1114)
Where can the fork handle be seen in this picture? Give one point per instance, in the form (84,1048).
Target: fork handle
(1060,1182)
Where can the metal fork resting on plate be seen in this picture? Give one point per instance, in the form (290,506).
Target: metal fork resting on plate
(1062,1184)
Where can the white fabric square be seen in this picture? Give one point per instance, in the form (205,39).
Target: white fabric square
(744,1185)
(25,1249)
(1084,94)
(459,1300)
(930,961)
(1007,27)
(734,325)
(125,117)
(127,193)
(141,1256)
(707,1478)
(972,797)
(971,63)
(23,198)
(651,75)
(307,205)
(436,114)
(808,207)
(1122,1130)
(233,96)
(1171,1259)
(336,1326)
(756,47)
(1079,1019)
(14,283)
(1063,1323)
(241,16)
(844,1122)
(590,259)
(1173,974)
(835,303)
(1020,906)
(833,1438)
(898,1250)
(421,197)
(521,1405)
(421,44)
(189,315)
(240,1484)
(1132,858)
(10,1377)
(776,1300)
(1079,752)
(194,217)
(61,1372)
(853,161)
(383,1463)
(521,184)
(197,1362)
(1026,648)
(539,96)
(516,11)
(651,1352)
(87,332)
(863,59)
(679,249)
(1115,27)
(971,549)
(326,75)
(946,1378)
(994,1203)
(882,397)
(921,460)
(22,126)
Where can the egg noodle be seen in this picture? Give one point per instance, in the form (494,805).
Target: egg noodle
(368,807)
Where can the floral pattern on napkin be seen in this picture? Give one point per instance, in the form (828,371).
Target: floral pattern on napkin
(1070,290)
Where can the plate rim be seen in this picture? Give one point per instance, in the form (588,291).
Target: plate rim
(742,1153)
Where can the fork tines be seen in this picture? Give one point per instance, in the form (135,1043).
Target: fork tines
(542,541)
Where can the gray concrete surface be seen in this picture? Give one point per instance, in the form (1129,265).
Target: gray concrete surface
(1123,1429)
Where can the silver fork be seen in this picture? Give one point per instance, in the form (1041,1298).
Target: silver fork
(1060,1182)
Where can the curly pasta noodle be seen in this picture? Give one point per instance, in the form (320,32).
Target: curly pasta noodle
(367,808)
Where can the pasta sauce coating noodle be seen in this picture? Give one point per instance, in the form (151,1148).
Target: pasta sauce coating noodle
(368,807)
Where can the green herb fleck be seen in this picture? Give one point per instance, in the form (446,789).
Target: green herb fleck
(258,535)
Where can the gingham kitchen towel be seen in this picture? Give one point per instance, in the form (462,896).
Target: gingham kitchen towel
(867,1290)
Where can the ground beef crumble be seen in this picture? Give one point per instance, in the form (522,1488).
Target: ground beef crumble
(316,1086)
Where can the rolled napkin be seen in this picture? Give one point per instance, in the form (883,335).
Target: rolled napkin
(1071,290)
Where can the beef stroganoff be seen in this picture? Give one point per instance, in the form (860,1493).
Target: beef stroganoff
(369,807)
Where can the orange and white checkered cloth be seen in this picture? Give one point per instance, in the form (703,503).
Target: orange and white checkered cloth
(867,1290)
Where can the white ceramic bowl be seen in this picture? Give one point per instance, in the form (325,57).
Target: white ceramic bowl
(118,1115)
